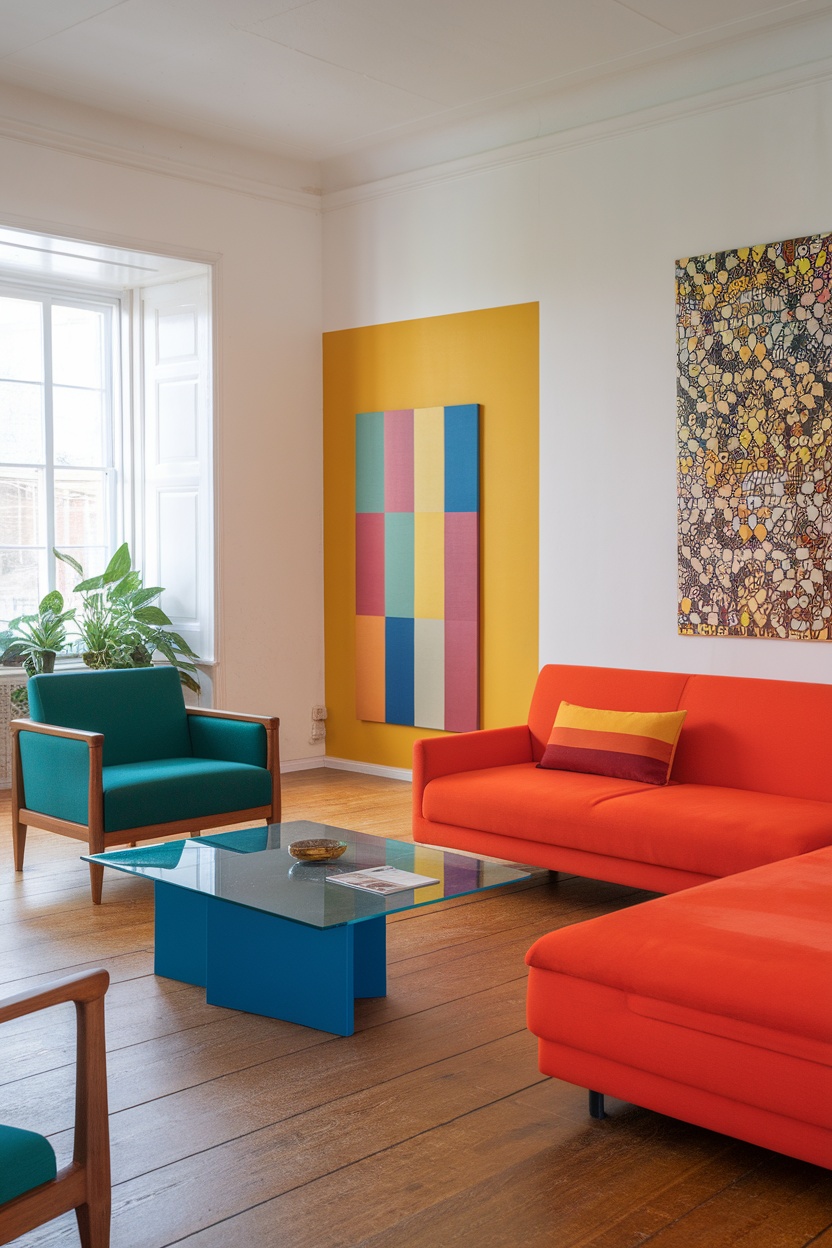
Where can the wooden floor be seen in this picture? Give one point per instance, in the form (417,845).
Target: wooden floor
(431,1126)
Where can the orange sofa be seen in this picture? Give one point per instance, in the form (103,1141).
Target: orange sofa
(711,1005)
(751,782)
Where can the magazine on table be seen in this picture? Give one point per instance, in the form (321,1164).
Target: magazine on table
(383,880)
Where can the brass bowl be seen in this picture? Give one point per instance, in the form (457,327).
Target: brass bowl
(321,850)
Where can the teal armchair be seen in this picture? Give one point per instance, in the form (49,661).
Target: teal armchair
(115,757)
(32,1188)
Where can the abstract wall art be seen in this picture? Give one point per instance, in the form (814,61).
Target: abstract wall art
(417,503)
(754,409)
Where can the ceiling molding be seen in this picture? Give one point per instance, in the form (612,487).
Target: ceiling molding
(794,79)
(35,134)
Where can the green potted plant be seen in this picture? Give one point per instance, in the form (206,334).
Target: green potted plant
(34,641)
(118,624)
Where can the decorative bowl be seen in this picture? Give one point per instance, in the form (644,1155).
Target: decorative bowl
(321,850)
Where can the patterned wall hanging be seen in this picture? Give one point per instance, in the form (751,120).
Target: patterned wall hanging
(417,567)
(754,332)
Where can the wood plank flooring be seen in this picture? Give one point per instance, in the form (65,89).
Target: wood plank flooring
(430,1126)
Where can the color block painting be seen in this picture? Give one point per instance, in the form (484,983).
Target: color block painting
(754,330)
(417,567)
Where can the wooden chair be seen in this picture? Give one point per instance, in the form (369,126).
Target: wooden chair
(115,757)
(84,1185)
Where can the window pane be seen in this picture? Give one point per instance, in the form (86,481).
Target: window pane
(77,347)
(21,507)
(80,510)
(22,582)
(21,423)
(78,427)
(21,340)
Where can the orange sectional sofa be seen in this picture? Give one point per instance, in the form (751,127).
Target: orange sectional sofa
(711,1005)
(751,782)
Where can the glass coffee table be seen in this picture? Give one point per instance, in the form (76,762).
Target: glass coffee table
(261,932)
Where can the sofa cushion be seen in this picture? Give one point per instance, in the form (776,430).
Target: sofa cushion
(162,791)
(630,745)
(140,711)
(619,689)
(687,827)
(523,801)
(769,735)
(26,1161)
(706,829)
(756,947)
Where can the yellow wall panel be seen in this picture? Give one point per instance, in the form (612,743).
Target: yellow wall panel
(488,357)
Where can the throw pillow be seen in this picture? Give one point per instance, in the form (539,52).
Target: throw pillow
(630,745)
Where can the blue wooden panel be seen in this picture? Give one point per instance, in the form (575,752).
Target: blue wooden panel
(462,459)
(370,957)
(263,964)
(398,671)
(181,933)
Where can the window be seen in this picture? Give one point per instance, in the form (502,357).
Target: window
(106,423)
(57,440)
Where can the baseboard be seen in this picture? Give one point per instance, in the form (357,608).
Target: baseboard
(303,764)
(369,769)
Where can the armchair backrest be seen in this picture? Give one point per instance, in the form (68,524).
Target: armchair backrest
(140,711)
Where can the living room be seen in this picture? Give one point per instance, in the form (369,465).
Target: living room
(519,252)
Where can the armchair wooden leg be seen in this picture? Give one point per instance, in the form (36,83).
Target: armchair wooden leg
(94,1224)
(19,837)
(96,882)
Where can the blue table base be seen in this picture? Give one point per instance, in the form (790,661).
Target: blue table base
(263,964)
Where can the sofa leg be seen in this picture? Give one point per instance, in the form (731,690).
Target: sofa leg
(596,1105)
(553,877)
(19,837)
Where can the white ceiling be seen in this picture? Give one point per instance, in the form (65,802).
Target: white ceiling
(316,79)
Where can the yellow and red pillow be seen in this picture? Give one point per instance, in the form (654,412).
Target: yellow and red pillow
(630,745)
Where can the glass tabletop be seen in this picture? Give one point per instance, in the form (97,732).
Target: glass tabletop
(253,868)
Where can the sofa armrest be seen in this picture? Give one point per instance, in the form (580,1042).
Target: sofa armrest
(467,751)
(57,771)
(231,737)
(87,1179)
(228,740)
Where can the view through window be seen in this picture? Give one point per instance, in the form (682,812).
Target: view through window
(58,404)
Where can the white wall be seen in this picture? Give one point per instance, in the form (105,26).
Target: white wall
(270,639)
(591,228)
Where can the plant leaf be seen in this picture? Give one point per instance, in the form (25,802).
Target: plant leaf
(151,615)
(73,563)
(118,566)
(181,644)
(127,585)
(53,602)
(93,582)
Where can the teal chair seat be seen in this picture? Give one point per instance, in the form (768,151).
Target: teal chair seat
(137,794)
(26,1161)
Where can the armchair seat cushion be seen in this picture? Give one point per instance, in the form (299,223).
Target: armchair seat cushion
(26,1161)
(168,789)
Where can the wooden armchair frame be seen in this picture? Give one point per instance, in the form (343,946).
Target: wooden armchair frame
(93,832)
(83,1185)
